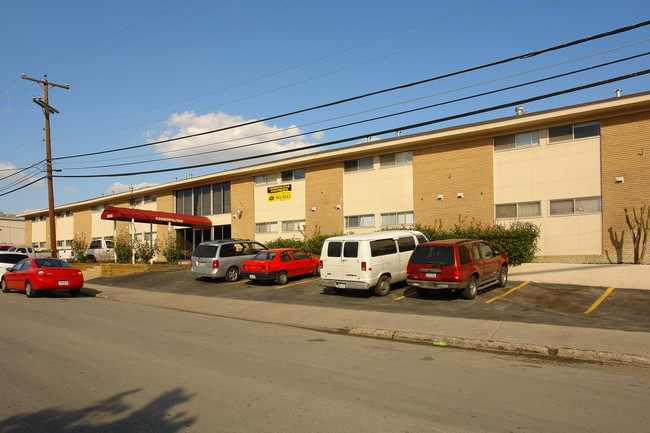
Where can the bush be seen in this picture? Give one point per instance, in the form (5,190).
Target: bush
(286,243)
(123,248)
(145,251)
(79,247)
(171,249)
(518,241)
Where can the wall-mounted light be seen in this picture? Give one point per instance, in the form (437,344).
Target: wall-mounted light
(620,179)
(460,195)
(313,209)
(338,207)
(439,196)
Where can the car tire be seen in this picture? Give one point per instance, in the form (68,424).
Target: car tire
(282,278)
(29,290)
(232,274)
(469,292)
(422,293)
(383,286)
(91,259)
(503,276)
(75,292)
(317,271)
(5,289)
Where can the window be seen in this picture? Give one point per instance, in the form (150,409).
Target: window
(351,249)
(518,210)
(396,218)
(149,198)
(359,221)
(334,249)
(573,132)
(202,200)
(571,206)
(266,227)
(288,176)
(382,247)
(266,179)
(359,164)
(135,202)
(221,198)
(407,243)
(393,159)
(299,255)
(292,226)
(515,141)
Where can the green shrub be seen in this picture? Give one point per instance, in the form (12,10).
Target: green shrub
(145,251)
(286,243)
(123,248)
(171,249)
(79,247)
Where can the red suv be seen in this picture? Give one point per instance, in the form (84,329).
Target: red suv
(456,264)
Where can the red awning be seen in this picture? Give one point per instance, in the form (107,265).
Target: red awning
(154,217)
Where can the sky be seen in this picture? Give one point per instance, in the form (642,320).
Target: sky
(142,73)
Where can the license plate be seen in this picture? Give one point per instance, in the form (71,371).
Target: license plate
(200,264)
(443,286)
(63,283)
(431,275)
(340,285)
(251,277)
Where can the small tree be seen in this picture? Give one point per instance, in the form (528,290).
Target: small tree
(123,248)
(639,231)
(146,250)
(171,249)
(79,247)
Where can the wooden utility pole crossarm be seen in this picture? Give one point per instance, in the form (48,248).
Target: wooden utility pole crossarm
(47,110)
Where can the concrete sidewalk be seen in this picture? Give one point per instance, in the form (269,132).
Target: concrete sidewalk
(620,276)
(559,342)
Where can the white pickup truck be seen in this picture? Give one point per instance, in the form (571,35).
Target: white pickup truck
(67,255)
(100,251)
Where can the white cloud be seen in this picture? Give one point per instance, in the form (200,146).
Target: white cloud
(120,187)
(69,189)
(226,145)
(19,179)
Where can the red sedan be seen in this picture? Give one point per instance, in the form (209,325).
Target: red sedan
(279,264)
(30,275)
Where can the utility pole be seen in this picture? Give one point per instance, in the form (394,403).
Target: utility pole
(47,110)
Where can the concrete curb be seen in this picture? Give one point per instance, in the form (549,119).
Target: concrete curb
(562,353)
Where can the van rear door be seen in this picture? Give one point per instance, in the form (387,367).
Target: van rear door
(341,261)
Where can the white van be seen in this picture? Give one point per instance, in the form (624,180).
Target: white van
(367,260)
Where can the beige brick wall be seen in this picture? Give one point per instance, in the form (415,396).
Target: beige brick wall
(623,140)
(324,189)
(242,196)
(448,170)
(164,203)
(28,231)
(83,223)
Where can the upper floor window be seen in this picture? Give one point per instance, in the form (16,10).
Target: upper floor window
(574,206)
(289,175)
(266,179)
(204,200)
(396,218)
(149,198)
(393,159)
(515,141)
(271,227)
(528,209)
(359,164)
(573,132)
(293,225)
(133,202)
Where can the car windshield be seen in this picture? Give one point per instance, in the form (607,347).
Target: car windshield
(433,255)
(265,255)
(51,263)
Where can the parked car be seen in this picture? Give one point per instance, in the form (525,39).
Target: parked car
(457,264)
(369,261)
(279,265)
(8,260)
(67,255)
(5,247)
(223,258)
(23,250)
(100,250)
(31,275)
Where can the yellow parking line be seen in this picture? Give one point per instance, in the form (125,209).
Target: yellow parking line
(406,295)
(507,293)
(601,299)
(297,282)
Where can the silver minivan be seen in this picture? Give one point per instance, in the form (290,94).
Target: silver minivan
(223,258)
(367,261)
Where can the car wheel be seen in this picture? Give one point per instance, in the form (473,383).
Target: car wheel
(472,287)
(29,290)
(232,274)
(503,276)
(75,292)
(422,292)
(317,271)
(5,289)
(91,259)
(282,278)
(383,286)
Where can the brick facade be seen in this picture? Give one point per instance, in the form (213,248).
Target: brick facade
(324,190)
(242,196)
(624,141)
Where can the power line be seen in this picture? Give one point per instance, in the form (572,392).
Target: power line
(378,92)
(24,186)
(386,131)
(362,121)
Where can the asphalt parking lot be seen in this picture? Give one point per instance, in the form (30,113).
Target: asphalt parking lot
(529,302)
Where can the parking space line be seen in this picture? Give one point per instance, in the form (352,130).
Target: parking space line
(296,283)
(507,293)
(601,299)
(405,295)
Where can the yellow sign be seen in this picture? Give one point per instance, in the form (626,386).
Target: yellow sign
(278,193)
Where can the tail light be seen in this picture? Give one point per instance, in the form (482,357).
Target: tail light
(215,264)
(456,273)
(363,266)
(80,274)
(320,263)
(41,273)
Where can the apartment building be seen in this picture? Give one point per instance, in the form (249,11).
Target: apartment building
(573,171)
